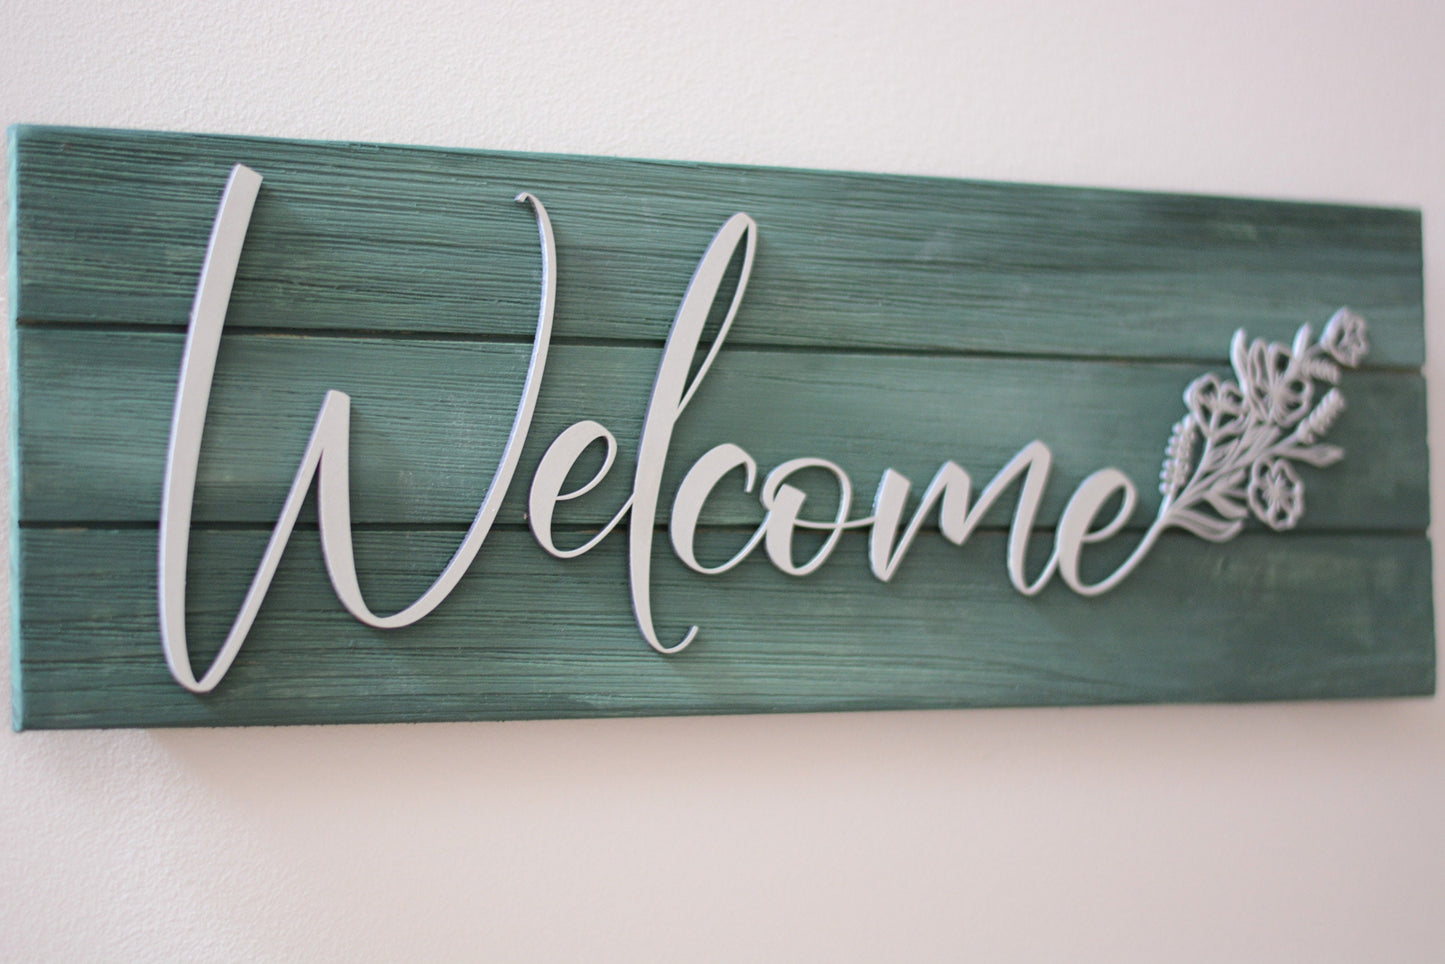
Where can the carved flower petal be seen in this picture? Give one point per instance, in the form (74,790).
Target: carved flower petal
(1276,495)
(1217,406)
(1345,338)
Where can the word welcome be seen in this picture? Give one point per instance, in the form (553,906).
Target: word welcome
(1246,448)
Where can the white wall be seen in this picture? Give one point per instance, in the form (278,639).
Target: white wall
(1276,833)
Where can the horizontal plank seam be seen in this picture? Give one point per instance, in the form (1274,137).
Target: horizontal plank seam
(459,528)
(759,348)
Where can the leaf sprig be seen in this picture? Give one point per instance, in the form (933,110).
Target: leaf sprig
(1255,427)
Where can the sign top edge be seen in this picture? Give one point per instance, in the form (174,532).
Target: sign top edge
(19,132)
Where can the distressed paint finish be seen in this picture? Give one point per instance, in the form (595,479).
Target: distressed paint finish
(530,636)
(890,322)
(98,462)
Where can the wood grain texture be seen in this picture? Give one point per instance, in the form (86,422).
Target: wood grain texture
(360,237)
(527,635)
(430,419)
(890,322)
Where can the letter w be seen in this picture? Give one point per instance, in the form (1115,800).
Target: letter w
(326,457)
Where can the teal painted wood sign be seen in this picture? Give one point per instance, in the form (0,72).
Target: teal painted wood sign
(596,437)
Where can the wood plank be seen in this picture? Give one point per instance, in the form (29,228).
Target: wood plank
(430,418)
(112,228)
(526,635)
(890,322)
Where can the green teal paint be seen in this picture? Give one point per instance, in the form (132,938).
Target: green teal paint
(888,323)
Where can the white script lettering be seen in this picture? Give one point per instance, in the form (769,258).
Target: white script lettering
(327,456)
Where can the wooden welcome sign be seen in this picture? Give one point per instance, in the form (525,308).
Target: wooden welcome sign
(594,437)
